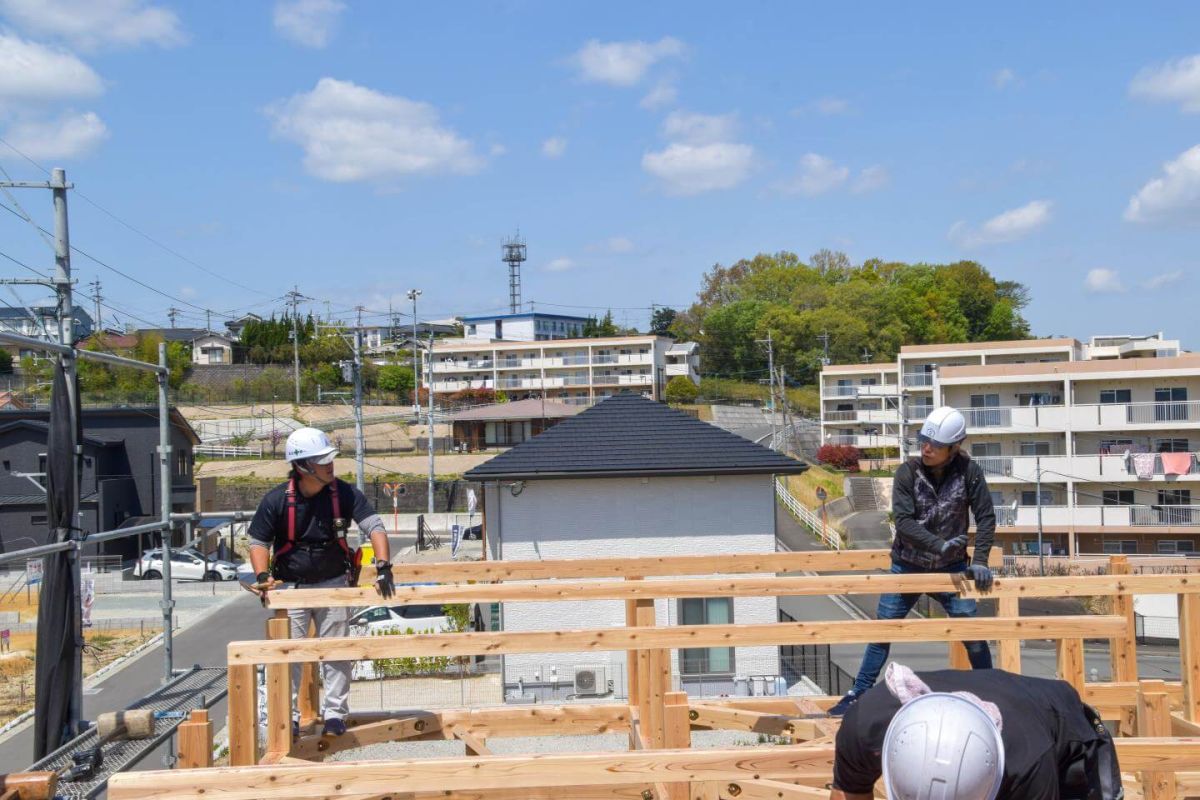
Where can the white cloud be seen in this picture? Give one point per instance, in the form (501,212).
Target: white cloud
(691,128)
(1172,198)
(871,179)
(352,133)
(623,63)
(68,136)
(817,175)
(96,24)
(554,147)
(35,72)
(687,169)
(1103,281)
(560,265)
(620,244)
(1163,280)
(1003,78)
(307,22)
(662,95)
(831,106)
(1175,82)
(497,150)
(187,292)
(1009,226)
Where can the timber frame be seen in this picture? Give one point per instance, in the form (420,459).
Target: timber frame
(1155,721)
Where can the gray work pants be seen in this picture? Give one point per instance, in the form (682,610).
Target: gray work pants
(334,674)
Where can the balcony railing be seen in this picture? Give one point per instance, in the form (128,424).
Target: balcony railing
(620,380)
(917,379)
(840,391)
(1055,516)
(1103,416)
(1164,515)
(841,416)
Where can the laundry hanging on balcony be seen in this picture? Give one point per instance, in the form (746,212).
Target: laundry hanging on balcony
(1143,465)
(1176,463)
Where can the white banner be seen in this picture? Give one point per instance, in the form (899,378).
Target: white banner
(472,501)
(455,539)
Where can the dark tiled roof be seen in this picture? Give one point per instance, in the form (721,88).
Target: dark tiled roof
(630,436)
(38,499)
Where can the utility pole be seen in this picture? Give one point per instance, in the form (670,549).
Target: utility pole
(359,445)
(172,312)
(429,385)
(824,339)
(96,298)
(769,342)
(413,294)
(294,298)
(208,320)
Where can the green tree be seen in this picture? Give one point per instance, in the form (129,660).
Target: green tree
(680,389)
(397,379)
(597,328)
(661,320)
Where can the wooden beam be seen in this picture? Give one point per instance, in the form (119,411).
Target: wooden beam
(631,657)
(704,715)
(389,730)
(29,785)
(789,586)
(674,636)
(828,726)
(774,790)
(353,778)
(195,738)
(1123,648)
(1158,753)
(243,715)
(1010,650)
(677,735)
(1070,662)
(474,745)
(1183,727)
(539,720)
(1189,654)
(631,792)
(649,701)
(958,656)
(1154,719)
(279,693)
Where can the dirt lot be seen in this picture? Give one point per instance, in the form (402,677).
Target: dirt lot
(376,465)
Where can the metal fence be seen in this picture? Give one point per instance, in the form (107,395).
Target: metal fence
(814,662)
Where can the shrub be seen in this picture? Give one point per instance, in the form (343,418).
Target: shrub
(680,389)
(840,456)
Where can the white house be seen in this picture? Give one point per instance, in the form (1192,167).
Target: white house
(633,477)
(212,348)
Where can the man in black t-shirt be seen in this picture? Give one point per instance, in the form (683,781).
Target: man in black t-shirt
(299,532)
(1044,743)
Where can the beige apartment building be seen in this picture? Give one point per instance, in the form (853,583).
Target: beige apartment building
(1110,427)
(572,371)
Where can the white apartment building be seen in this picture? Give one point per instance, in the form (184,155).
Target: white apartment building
(573,371)
(1110,427)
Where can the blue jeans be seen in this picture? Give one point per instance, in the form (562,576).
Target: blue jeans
(897,606)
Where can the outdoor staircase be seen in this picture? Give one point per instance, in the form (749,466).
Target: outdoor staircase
(862,494)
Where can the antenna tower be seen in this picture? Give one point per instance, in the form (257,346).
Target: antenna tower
(514,256)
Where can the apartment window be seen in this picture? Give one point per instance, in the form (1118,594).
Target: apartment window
(1029,497)
(471,329)
(980,416)
(985,449)
(706,660)
(1116,396)
(1035,448)
(1176,546)
(869,381)
(1120,547)
(1170,404)
(1038,399)
(1171,446)
(1118,497)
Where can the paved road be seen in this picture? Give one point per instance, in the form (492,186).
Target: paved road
(201,643)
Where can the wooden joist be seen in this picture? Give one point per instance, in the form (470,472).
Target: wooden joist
(773,790)
(357,778)
(473,744)
(788,586)
(377,732)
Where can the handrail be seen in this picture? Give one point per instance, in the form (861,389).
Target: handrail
(807,517)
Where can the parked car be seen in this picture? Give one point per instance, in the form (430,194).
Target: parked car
(399,619)
(186,565)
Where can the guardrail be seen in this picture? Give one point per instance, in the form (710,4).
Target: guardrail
(830,538)
(227,451)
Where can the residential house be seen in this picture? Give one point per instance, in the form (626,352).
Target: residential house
(120,473)
(211,348)
(507,424)
(236,326)
(41,322)
(633,477)
(530,327)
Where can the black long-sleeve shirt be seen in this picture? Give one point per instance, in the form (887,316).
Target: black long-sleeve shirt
(921,529)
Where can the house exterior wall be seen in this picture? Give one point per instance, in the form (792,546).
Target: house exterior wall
(628,517)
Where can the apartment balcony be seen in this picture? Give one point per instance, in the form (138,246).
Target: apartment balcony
(1017,419)
(686,370)
(1023,469)
(1130,516)
(1116,416)
(565,361)
(868,416)
(462,365)
(917,380)
(841,391)
(624,358)
(621,380)
(458,386)
(878,390)
(861,440)
(518,363)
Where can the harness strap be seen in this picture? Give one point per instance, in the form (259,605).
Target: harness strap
(290,493)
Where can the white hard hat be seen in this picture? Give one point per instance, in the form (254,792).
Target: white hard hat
(944,426)
(309,443)
(942,746)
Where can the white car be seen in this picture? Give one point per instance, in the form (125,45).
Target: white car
(186,565)
(399,619)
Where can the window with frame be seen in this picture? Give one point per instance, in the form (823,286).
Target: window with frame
(706,660)
(1035,448)
(1120,547)
(1170,403)
(1176,546)
(1171,446)
(985,449)
(1029,497)
(1109,396)
(1118,497)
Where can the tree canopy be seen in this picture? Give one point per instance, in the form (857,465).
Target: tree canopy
(868,311)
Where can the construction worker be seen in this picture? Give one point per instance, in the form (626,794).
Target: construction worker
(304,520)
(973,735)
(933,497)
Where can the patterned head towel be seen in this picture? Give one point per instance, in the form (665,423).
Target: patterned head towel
(904,685)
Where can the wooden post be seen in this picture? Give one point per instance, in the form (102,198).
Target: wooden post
(1010,649)
(1123,649)
(1070,662)
(308,696)
(958,656)
(677,734)
(631,656)
(243,715)
(195,738)
(649,702)
(1154,719)
(1189,653)
(279,693)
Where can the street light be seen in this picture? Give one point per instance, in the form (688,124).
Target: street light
(413,294)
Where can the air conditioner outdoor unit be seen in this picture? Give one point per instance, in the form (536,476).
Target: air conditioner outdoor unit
(591,681)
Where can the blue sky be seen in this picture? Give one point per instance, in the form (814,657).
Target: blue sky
(358,149)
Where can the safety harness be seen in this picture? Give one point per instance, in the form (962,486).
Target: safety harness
(339,533)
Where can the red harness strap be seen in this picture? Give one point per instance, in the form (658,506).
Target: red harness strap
(291,527)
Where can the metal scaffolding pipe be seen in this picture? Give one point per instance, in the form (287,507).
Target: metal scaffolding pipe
(120,361)
(164,472)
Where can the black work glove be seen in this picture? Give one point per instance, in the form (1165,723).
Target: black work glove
(982,576)
(957,543)
(383,579)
